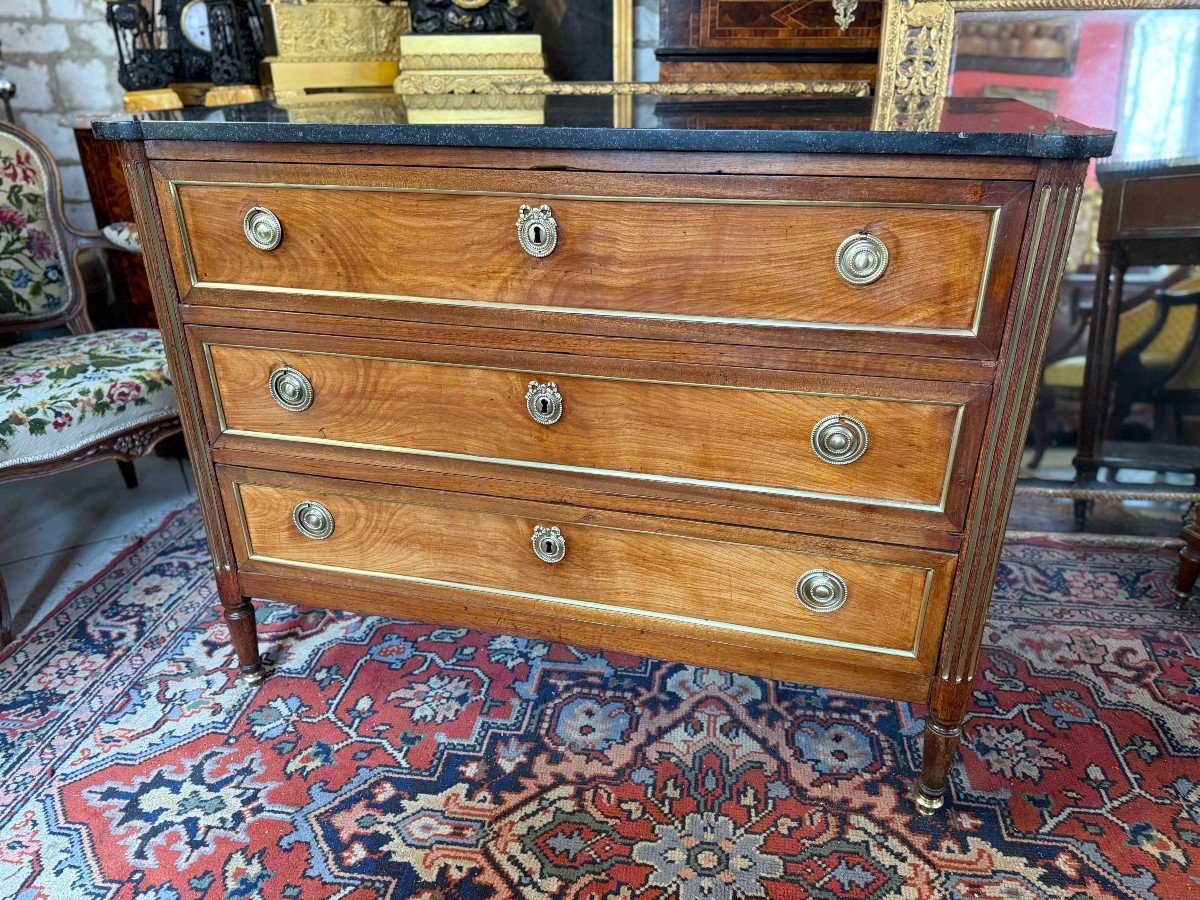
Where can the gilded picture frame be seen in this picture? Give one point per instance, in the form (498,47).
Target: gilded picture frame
(917,47)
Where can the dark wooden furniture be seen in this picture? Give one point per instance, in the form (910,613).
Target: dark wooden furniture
(110,199)
(1150,215)
(686,408)
(77,437)
(768,40)
(1189,559)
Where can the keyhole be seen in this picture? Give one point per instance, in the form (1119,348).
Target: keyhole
(535,234)
(548,546)
(545,407)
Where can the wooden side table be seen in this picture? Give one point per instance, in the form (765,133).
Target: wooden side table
(1150,215)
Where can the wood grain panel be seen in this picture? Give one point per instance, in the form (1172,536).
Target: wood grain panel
(755,250)
(754,439)
(599,629)
(877,165)
(747,591)
(695,260)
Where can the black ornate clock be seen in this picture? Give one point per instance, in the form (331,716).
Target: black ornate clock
(163,42)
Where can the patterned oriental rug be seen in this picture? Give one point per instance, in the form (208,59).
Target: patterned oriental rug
(384,759)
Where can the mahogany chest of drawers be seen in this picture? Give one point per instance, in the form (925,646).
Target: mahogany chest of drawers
(738,406)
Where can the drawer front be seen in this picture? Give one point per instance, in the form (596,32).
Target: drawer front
(751,440)
(841,601)
(732,251)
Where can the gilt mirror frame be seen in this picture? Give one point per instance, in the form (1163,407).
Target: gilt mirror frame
(916,51)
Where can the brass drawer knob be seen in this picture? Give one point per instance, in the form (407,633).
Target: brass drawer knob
(839,440)
(313,520)
(290,389)
(549,543)
(536,230)
(544,402)
(821,591)
(862,258)
(262,228)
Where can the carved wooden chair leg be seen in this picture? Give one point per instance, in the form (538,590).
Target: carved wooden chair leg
(6,634)
(128,472)
(1189,560)
(1040,427)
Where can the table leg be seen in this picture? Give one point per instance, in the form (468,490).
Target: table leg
(1101,342)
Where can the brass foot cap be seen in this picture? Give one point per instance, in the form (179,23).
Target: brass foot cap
(1181,600)
(255,676)
(925,804)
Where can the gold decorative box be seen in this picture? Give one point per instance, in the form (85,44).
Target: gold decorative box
(451,78)
(321,45)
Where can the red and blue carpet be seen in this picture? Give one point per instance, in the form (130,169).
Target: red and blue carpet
(387,759)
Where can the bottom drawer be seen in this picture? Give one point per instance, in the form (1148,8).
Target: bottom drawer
(875,604)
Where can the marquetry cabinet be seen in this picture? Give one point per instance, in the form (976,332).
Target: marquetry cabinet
(757,409)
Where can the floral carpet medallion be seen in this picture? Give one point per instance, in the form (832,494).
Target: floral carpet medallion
(384,759)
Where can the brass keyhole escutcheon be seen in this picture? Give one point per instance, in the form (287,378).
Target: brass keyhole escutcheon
(537,230)
(544,402)
(549,543)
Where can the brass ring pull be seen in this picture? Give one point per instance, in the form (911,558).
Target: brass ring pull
(549,543)
(544,402)
(313,520)
(839,440)
(862,259)
(537,231)
(291,389)
(821,591)
(262,228)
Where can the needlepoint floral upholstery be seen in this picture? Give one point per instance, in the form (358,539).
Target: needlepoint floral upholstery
(60,394)
(124,235)
(32,282)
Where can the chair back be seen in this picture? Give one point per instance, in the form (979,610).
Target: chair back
(40,282)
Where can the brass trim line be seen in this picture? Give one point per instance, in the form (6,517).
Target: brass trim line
(975,525)
(606,607)
(939,507)
(973,331)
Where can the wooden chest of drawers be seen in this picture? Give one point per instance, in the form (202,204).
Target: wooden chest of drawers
(762,411)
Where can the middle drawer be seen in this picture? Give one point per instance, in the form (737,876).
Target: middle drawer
(905,446)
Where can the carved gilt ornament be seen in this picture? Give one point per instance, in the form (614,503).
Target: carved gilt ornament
(917,46)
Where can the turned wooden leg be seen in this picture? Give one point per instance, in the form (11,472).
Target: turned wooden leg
(948,702)
(243,630)
(1189,563)
(128,472)
(6,634)
(941,742)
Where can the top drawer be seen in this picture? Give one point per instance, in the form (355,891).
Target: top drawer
(925,266)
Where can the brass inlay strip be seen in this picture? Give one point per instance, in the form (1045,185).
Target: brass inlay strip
(607,607)
(972,331)
(1051,273)
(939,507)
(189,407)
(988,465)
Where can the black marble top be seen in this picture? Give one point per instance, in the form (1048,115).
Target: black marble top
(969,126)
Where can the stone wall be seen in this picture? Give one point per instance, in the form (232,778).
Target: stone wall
(63,59)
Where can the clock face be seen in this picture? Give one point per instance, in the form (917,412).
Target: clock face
(193,23)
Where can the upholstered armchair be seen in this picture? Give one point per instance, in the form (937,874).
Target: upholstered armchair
(71,400)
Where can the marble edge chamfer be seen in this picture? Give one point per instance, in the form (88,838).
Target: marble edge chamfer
(543,137)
